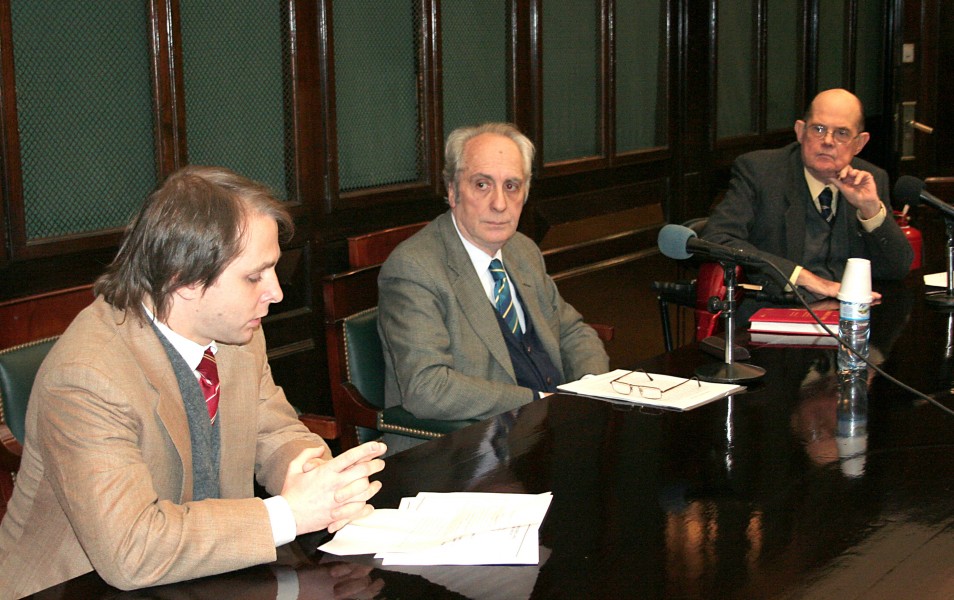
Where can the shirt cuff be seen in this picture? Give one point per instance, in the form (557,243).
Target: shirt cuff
(282,519)
(794,276)
(874,222)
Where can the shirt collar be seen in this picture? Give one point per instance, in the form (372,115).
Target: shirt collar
(815,186)
(190,351)
(479,258)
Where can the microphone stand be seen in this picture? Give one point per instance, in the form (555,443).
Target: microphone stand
(944,374)
(944,300)
(728,371)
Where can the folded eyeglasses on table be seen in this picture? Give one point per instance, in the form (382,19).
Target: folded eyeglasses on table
(642,382)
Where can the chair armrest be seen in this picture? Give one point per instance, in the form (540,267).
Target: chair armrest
(321,425)
(360,411)
(398,420)
(604,332)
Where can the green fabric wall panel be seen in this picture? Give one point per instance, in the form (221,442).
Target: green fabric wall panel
(376,96)
(234,74)
(641,75)
(736,82)
(84,104)
(571,80)
(783,102)
(474,61)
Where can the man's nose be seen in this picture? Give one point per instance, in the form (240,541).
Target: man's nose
(498,199)
(274,294)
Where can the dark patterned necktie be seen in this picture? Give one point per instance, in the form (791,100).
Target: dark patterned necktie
(209,382)
(503,299)
(824,202)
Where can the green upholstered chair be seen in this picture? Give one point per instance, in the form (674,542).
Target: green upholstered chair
(356,365)
(18,367)
(365,368)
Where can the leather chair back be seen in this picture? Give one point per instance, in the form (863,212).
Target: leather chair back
(18,368)
(364,367)
(364,357)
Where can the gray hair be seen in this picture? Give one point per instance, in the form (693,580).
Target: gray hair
(457,140)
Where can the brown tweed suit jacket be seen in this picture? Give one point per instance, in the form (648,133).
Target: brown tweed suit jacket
(106,476)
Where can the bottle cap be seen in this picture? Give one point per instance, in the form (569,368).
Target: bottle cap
(856,282)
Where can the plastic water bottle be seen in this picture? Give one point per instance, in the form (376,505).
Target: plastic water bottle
(852,433)
(853,327)
(854,315)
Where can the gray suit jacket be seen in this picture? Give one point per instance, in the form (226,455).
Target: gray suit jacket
(765,208)
(105,480)
(445,355)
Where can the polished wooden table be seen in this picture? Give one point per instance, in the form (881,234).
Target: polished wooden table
(754,496)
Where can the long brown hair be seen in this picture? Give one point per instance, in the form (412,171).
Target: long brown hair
(187,232)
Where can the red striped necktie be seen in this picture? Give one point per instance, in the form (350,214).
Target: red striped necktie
(209,382)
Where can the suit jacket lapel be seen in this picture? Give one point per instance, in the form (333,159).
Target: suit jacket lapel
(238,417)
(471,297)
(151,356)
(524,282)
(797,199)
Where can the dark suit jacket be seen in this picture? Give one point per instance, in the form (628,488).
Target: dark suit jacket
(764,213)
(446,357)
(106,476)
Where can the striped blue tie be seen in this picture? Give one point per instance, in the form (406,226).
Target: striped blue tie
(503,300)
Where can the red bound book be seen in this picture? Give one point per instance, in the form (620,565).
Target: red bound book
(792,320)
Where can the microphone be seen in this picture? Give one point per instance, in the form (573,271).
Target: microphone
(910,190)
(678,242)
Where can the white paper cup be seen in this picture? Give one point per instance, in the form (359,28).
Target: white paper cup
(856,283)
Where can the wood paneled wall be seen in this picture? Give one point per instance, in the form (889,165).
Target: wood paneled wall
(596,216)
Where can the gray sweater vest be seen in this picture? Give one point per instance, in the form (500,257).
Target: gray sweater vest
(204,435)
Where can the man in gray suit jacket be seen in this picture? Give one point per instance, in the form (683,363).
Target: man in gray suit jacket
(775,205)
(449,353)
(127,468)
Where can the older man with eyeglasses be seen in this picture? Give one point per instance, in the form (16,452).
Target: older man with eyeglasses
(811,205)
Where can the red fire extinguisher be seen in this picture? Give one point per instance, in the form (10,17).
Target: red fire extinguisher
(912,234)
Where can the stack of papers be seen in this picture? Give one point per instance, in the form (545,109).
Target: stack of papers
(676,393)
(460,528)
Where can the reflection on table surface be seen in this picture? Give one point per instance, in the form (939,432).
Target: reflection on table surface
(810,484)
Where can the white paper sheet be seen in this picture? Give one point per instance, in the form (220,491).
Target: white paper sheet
(684,397)
(463,528)
(936,279)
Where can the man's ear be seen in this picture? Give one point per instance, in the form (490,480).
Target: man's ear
(861,140)
(452,196)
(799,130)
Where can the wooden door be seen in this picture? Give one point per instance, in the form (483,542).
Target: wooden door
(925,50)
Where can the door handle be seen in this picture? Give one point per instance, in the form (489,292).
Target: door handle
(919,126)
(909,126)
